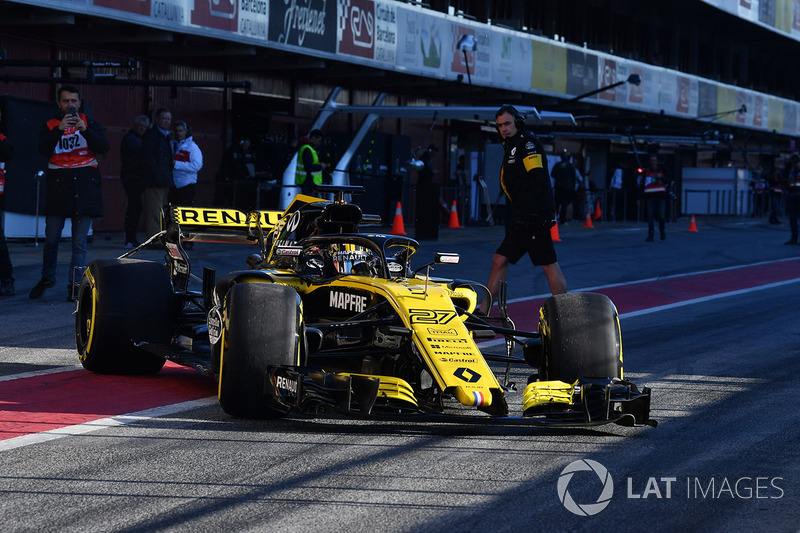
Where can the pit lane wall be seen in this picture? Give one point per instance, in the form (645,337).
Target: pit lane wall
(407,38)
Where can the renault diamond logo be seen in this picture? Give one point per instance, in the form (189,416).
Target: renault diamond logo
(470,376)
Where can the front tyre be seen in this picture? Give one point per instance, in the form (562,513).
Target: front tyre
(580,337)
(263,323)
(122,302)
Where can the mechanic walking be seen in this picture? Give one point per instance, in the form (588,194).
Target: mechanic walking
(74,190)
(526,183)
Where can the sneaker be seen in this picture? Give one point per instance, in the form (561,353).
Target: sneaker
(40,287)
(7,287)
(790,241)
(649,239)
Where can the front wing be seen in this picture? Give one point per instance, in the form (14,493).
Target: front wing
(586,403)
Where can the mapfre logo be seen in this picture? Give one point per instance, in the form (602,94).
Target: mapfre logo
(356,27)
(605,487)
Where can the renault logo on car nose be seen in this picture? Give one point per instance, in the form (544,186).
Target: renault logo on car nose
(470,376)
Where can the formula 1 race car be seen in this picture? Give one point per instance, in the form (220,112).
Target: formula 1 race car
(329,320)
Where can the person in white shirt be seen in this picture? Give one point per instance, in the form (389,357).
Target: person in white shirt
(617,194)
(187,161)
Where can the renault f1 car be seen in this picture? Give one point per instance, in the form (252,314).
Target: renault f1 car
(329,320)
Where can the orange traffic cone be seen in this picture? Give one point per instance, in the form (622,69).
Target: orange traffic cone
(598,213)
(588,223)
(397,225)
(453,217)
(554,232)
(693,225)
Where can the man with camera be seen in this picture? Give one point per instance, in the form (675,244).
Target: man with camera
(71,142)
(526,182)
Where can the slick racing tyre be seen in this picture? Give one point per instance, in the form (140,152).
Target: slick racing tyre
(263,323)
(122,302)
(580,337)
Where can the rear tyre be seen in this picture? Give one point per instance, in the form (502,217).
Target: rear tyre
(122,302)
(263,322)
(580,337)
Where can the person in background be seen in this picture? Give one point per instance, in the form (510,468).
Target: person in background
(654,192)
(309,169)
(157,163)
(791,181)
(775,194)
(617,193)
(188,162)
(6,268)
(71,142)
(564,183)
(133,180)
(238,164)
(526,183)
(759,185)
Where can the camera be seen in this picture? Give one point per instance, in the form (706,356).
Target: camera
(72,111)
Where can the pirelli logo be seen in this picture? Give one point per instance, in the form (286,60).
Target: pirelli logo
(214,216)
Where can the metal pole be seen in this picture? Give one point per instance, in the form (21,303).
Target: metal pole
(38,178)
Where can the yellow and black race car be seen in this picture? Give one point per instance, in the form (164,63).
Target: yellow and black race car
(329,320)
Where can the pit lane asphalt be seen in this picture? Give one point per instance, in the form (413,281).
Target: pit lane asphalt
(724,375)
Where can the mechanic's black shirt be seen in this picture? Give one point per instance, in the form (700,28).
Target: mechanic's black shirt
(525,178)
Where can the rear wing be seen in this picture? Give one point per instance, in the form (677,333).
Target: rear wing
(217,224)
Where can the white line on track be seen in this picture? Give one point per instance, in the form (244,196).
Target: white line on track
(103,423)
(45,372)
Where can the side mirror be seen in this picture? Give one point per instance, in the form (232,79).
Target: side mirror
(443,258)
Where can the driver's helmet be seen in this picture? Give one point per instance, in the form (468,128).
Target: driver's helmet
(312,262)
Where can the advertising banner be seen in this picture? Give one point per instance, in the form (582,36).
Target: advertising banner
(218,14)
(304,23)
(253,18)
(707,103)
(548,67)
(667,91)
(140,7)
(775,115)
(421,41)
(510,60)
(386,32)
(726,103)
(409,38)
(171,12)
(790,117)
(581,73)
(355,28)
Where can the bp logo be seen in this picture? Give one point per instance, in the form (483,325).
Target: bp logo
(585,509)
